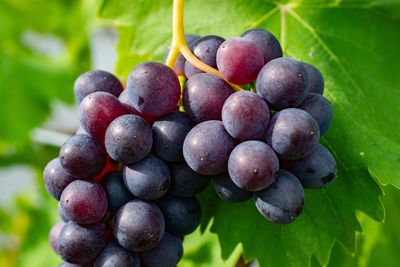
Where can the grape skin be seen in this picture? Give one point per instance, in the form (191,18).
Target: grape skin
(245,116)
(56,178)
(282,202)
(207,147)
(252,165)
(185,182)
(180,61)
(315,81)
(60,212)
(167,254)
(115,255)
(116,191)
(54,234)
(227,190)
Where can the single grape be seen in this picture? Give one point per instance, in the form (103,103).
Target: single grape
(282,202)
(227,190)
(315,81)
(153,88)
(128,139)
(56,178)
(84,202)
(266,42)
(314,171)
(207,147)
(113,255)
(148,179)
(138,225)
(282,83)
(169,132)
(293,133)
(167,254)
(116,191)
(320,108)
(182,214)
(81,243)
(54,233)
(252,165)
(205,49)
(125,101)
(82,156)
(96,81)
(97,111)
(185,182)
(204,95)
(245,116)
(239,60)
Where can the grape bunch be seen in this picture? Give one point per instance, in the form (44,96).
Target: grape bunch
(127,181)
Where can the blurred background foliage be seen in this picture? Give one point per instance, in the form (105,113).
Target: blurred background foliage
(44,45)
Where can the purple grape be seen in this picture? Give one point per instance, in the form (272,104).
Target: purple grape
(282,83)
(128,139)
(167,254)
(266,42)
(245,116)
(97,111)
(169,132)
(96,81)
(181,214)
(148,179)
(61,213)
(204,95)
(81,243)
(54,233)
(82,156)
(316,170)
(138,225)
(125,101)
(320,108)
(252,165)
(293,133)
(205,49)
(56,178)
(116,191)
(315,81)
(84,202)
(207,148)
(153,88)
(227,190)
(185,182)
(115,255)
(282,202)
(67,264)
(239,60)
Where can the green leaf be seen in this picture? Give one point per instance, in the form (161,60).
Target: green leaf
(355,45)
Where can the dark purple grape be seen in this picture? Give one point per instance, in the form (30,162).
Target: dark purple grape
(128,139)
(185,182)
(116,191)
(125,101)
(205,49)
(315,81)
(81,243)
(181,214)
(239,60)
(204,95)
(282,202)
(316,170)
(252,165)
(56,178)
(96,81)
(169,132)
(84,202)
(227,190)
(320,108)
(266,42)
(153,88)
(113,255)
(167,254)
(245,116)
(138,225)
(293,133)
(82,156)
(282,83)
(53,235)
(148,179)
(207,148)
(60,212)
(97,111)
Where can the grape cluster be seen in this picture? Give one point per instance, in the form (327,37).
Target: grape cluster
(127,181)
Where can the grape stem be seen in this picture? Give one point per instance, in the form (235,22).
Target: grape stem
(179,45)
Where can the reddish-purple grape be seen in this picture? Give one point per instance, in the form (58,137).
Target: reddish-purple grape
(227,190)
(185,182)
(167,254)
(56,178)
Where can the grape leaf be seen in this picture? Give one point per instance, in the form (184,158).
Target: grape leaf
(355,45)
